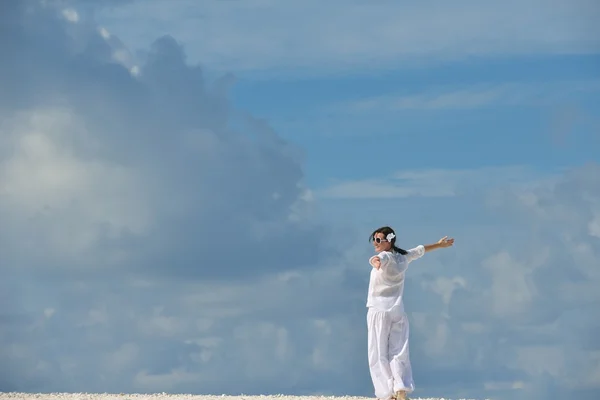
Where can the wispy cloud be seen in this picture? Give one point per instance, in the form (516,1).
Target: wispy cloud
(476,96)
(426,183)
(315,36)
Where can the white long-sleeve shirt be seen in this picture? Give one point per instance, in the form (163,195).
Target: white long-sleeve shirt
(386,286)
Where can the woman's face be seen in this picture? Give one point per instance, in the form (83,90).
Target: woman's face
(384,245)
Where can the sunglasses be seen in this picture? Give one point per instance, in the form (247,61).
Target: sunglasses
(379,240)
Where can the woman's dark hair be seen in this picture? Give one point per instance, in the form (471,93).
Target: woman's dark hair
(386,230)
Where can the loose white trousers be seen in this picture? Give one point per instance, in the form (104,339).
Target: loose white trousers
(389,360)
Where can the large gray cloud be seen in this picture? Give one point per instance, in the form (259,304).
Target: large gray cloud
(134,202)
(156,173)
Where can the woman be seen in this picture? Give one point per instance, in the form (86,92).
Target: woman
(387,323)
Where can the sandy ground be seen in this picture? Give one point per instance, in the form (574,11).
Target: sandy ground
(166,396)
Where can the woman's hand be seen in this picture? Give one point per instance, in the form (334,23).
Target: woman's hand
(442,243)
(375,262)
(445,242)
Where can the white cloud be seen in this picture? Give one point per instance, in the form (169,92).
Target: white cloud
(517,291)
(70,15)
(508,273)
(44,177)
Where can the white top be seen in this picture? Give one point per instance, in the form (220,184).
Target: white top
(386,286)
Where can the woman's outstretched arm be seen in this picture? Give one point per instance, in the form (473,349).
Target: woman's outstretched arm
(442,243)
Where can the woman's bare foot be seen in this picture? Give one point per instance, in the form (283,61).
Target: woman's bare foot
(400,395)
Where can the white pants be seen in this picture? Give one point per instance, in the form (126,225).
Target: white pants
(389,361)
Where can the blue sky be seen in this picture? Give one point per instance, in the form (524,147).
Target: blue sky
(187,189)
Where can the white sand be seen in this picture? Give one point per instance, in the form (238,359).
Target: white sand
(166,396)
